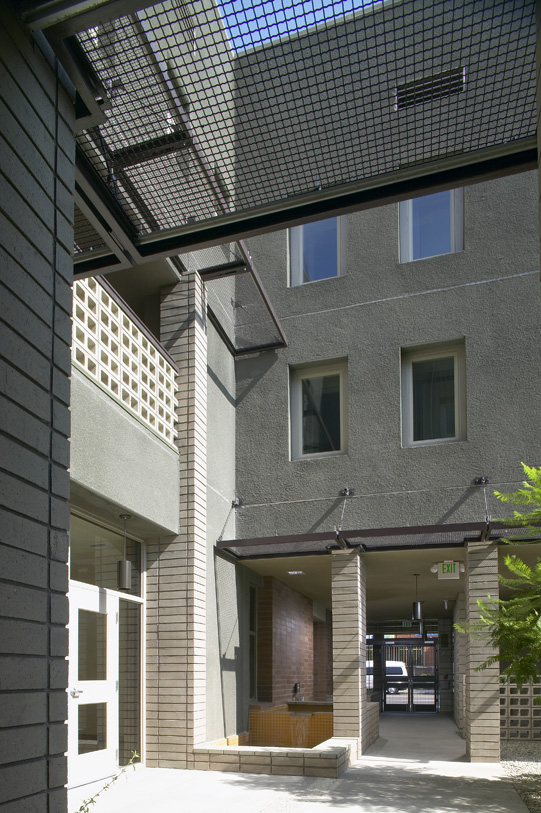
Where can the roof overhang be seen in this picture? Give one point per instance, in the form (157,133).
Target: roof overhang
(374,539)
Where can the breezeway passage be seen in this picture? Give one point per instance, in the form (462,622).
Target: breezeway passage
(417,766)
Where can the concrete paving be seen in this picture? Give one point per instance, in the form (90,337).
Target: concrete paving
(417,766)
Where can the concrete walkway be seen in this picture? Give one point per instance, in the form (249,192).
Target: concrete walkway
(417,766)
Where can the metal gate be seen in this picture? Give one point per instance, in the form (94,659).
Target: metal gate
(409,676)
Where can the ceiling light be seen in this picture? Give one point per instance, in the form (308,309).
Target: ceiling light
(296,573)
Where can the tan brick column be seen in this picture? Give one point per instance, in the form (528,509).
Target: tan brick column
(482,701)
(538,95)
(459,663)
(176,566)
(349,643)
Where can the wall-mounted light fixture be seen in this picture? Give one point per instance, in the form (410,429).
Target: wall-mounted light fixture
(124,566)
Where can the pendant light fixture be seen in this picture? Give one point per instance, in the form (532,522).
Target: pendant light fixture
(416,613)
(124,566)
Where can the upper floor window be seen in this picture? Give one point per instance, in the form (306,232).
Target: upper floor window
(316,251)
(431,225)
(433,395)
(318,410)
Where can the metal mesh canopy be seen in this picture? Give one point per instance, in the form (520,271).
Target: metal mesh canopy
(374,539)
(237,305)
(226,107)
(86,236)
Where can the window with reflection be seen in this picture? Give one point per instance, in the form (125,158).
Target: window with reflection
(95,553)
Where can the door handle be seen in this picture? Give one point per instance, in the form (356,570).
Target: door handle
(76,692)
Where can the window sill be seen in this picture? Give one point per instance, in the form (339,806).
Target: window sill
(423,444)
(318,456)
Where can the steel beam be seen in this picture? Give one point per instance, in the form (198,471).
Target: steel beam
(70,16)
(420,179)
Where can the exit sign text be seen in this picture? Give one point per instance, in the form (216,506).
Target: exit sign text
(449,570)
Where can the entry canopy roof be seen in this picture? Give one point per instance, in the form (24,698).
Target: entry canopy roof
(375,539)
(204,121)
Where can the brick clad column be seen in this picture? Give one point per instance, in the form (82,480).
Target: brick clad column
(176,567)
(482,701)
(459,663)
(349,643)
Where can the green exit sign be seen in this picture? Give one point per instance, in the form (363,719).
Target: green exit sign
(449,570)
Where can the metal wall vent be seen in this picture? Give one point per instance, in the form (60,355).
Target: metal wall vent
(429,88)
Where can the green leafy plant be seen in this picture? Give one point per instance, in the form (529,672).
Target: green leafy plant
(87,803)
(513,625)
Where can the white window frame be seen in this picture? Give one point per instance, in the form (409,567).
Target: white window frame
(297,376)
(294,267)
(457,351)
(406,227)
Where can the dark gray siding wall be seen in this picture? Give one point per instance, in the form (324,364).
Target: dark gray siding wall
(36,182)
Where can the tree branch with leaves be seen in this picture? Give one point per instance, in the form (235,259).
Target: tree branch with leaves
(513,625)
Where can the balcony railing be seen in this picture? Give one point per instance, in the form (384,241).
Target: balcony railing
(114,349)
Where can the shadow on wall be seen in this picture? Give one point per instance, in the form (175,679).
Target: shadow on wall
(252,370)
(221,386)
(470,492)
(232,590)
(335,506)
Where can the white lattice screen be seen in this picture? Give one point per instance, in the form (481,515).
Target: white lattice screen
(111,349)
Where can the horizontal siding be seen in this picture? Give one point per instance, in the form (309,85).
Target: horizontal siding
(36,183)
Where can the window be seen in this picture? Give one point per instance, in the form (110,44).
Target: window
(433,395)
(431,225)
(318,410)
(316,251)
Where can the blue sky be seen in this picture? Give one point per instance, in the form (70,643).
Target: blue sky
(253,22)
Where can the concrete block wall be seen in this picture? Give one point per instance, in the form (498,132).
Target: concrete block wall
(36,213)
(482,701)
(176,566)
(370,731)
(323,658)
(445,664)
(459,662)
(520,716)
(329,759)
(349,643)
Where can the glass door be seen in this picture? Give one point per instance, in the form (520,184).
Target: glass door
(93,684)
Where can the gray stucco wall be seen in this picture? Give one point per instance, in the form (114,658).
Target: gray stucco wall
(116,457)
(225,587)
(486,296)
(36,214)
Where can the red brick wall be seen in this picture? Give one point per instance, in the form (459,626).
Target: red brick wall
(285,643)
(264,641)
(323,658)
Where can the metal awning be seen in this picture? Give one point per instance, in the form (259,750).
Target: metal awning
(210,121)
(375,539)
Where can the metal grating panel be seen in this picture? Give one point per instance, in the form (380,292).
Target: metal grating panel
(430,88)
(86,238)
(276,100)
(242,313)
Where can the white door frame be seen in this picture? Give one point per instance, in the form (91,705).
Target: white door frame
(100,763)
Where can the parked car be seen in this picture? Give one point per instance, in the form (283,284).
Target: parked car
(392,669)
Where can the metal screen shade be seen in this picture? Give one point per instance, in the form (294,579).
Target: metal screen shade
(225,107)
